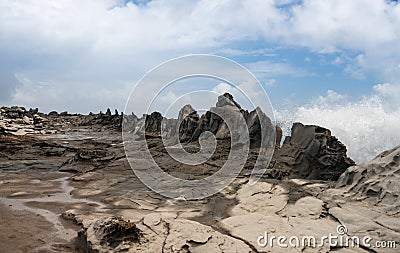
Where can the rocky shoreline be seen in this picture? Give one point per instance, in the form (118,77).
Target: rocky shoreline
(66,186)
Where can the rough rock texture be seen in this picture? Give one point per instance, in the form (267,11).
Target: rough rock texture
(312,152)
(112,234)
(377,180)
(255,131)
(306,208)
(191,125)
(212,121)
(279,135)
(188,120)
(227,100)
(106,121)
(155,232)
(18,121)
(82,208)
(153,123)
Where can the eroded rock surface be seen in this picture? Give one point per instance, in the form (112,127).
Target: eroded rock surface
(377,180)
(155,232)
(78,179)
(311,152)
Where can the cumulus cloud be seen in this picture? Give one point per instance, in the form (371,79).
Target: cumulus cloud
(388,90)
(371,28)
(330,98)
(100,45)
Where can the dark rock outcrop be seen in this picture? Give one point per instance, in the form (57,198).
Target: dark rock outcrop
(211,121)
(153,123)
(311,152)
(188,120)
(256,132)
(279,135)
(101,120)
(53,113)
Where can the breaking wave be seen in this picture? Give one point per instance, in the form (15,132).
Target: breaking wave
(367,127)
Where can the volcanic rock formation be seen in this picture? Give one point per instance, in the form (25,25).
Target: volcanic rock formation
(311,152)
(73,167)
(378,180)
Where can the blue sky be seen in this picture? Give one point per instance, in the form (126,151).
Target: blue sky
(61,55)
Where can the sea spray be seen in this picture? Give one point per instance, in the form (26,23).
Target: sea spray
(367,126)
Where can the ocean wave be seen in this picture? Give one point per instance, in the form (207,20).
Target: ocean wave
(367,127)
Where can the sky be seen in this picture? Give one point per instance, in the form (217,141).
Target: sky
(310,56)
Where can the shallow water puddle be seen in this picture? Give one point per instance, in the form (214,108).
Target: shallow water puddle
(64,196)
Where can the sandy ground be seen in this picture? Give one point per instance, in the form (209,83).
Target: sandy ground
(22,231)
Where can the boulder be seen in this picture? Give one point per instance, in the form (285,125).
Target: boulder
(39,119)
(53,113)
(155,232)
(13,112)
(111,234)
(311,152)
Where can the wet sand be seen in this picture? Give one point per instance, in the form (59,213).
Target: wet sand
(22,231)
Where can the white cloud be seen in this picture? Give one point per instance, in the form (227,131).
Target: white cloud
(337,61)
(64,96)
(388,89)
(270,69)
(270,83)
(370,27)
(331,97)
(390,94)
(356,67)
(253,52)
(223,88)
(98,42)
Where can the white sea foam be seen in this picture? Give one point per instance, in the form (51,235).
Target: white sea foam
(367,127)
